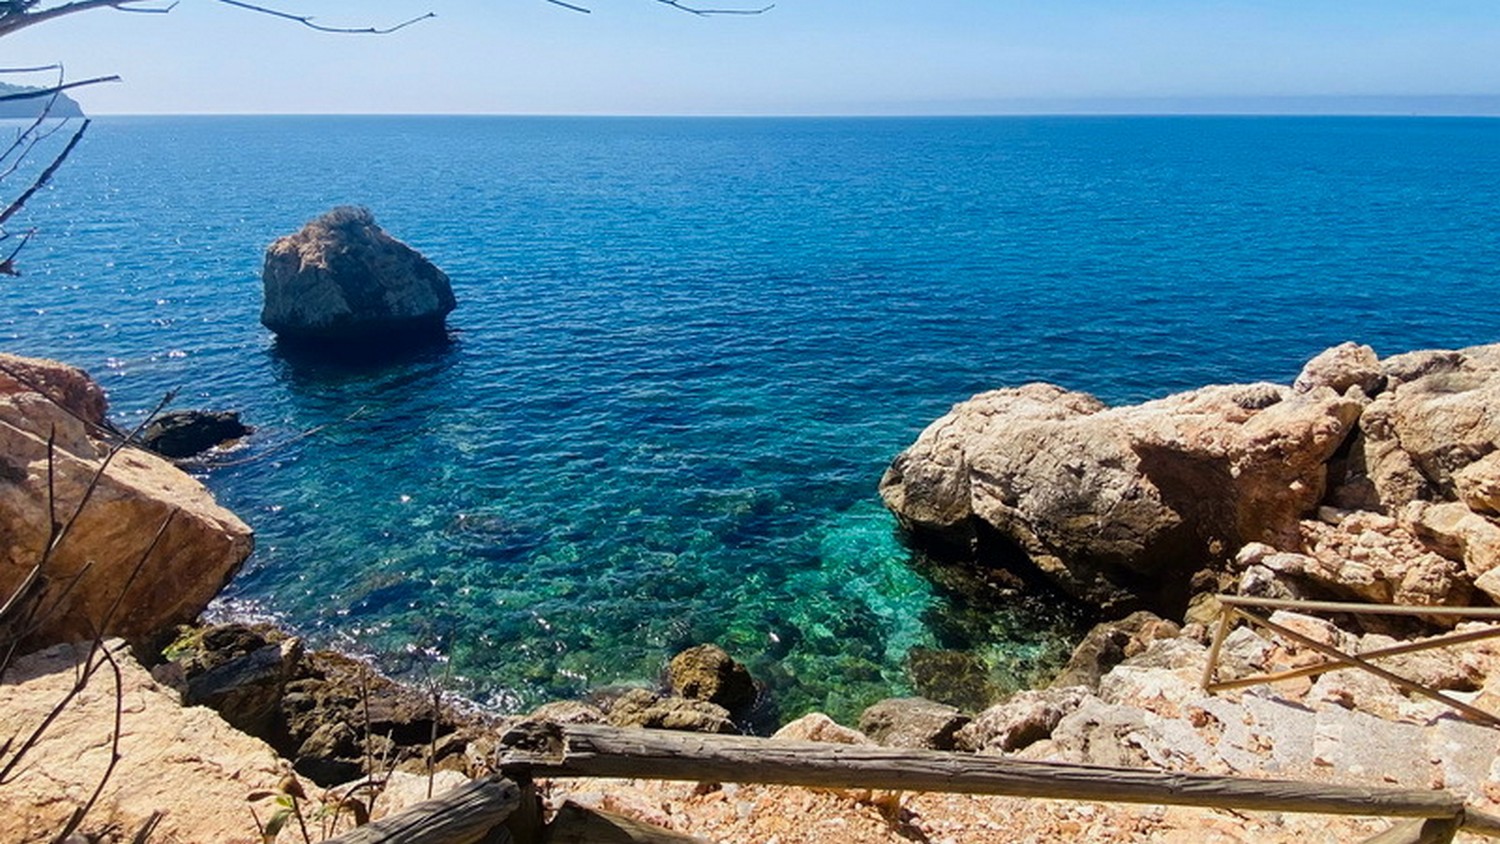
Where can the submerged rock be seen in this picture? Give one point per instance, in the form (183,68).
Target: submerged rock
(187,433)
(342,279)
(112,553)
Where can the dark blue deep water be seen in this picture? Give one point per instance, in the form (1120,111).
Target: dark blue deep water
(686,349)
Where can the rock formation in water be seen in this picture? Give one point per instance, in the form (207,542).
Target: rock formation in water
(187,433)
(138,495)
(1125,507)
(342,279)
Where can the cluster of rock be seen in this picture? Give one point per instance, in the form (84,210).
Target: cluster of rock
(708,691)
(342,280)
(1367,478)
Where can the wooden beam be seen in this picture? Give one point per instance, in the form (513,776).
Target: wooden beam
(589,750)
(576,825)
(1339,665)
(1491,613)
(463,815)
(1403,683)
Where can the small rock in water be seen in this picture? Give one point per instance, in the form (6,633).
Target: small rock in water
(186,433)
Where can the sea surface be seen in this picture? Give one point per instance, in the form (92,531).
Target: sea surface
(686,349)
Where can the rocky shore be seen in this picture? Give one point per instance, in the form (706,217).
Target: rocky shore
(1367,479)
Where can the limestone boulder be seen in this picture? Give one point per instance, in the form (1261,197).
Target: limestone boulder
(342,279)
(112,552)
(913,722)
(1340,368)
(183,762)
(1119,507)
(815,726)
(1019,721)
(1370,557)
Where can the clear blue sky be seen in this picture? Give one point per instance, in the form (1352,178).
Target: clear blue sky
(803,57)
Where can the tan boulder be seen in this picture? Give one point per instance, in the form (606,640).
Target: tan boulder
(1478,484)
(1121,506)
(1341,367)
(815,726)
(200,546)
(183,762)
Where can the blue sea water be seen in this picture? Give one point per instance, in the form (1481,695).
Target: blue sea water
(686,349)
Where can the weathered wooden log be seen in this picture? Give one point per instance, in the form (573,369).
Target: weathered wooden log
(1430,831)
(576,825)
(591,750)
(463,815)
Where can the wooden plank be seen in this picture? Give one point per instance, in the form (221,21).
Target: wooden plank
(1491,613)
(576,825)
(591,750)
(1339,665)
(463,815)
(1403,683)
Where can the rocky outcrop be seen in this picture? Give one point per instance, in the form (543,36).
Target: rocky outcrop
(342,279)
(707,672)
(1120,507)
(1374,480)
(183,762)
(187,433)
(329,715)
(112,553)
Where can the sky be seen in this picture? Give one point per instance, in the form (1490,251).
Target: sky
(803,57)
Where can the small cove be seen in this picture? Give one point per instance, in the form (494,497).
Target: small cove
(686,349)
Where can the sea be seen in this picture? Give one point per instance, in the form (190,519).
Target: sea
(686,349)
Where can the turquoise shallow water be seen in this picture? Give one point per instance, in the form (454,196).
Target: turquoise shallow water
(685,350)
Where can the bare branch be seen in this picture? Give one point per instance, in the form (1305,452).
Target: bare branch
(307,21)
(38,69)
(570,6)
(692,10)
(55,89)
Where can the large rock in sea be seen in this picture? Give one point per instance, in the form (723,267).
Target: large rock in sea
(201,545)
(1120,507)
(342,279)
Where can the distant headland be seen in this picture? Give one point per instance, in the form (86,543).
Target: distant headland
(65,106)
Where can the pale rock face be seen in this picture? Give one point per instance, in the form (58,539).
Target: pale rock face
(184,762)
(1341,367)
(1121,506)
(342,278)
(202,545)
(1431,423)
